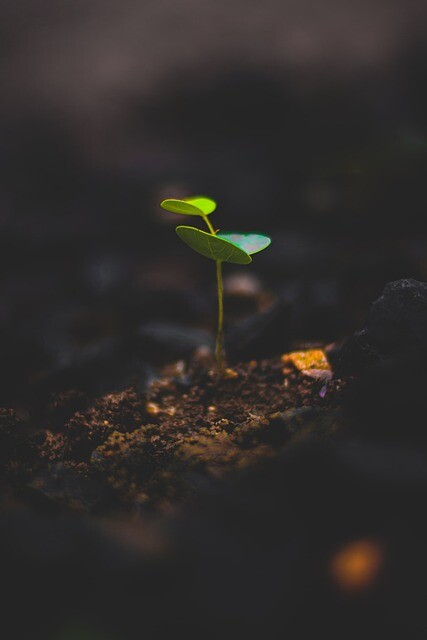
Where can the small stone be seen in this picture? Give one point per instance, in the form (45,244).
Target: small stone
(230,374)
(317,374)
(312,359)
(152,408)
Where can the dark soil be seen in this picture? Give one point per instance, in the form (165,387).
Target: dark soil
(285,498)
(151,449)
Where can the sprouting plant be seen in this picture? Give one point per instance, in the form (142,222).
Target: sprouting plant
(223,246)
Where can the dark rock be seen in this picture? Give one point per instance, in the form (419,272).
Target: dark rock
(389,400)
(396,325)
(353,355)
(399,316)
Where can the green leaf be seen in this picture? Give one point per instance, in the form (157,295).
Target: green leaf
(212,246)
(249,242)
(207,205)
(194,206)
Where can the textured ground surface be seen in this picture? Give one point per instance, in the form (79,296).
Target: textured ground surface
(151,449)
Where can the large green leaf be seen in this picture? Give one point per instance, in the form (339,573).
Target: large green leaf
(249,242)
(212,246)
(194,206)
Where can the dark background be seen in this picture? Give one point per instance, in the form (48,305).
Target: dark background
(304,120)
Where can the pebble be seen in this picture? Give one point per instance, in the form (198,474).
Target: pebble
(152,408)
(312,359)
(312,363)
(230,374)
(317,374)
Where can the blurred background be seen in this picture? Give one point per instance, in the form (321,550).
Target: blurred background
(304,120)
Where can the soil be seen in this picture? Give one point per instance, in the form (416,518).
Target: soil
(194,504)
(151,450)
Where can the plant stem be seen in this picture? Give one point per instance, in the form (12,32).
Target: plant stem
(220,331)
(219,335)
(209,225)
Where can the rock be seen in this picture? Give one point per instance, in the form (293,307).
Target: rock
(400,314)
(396,325)
(388,400)
(312,363)
(318,374)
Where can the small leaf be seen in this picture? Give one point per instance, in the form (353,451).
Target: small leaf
(212,246)
(194,206)
(180,206)
(207,205)
(249,242)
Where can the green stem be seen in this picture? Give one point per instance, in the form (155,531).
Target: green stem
(209,225)
(220,332)
(219,335)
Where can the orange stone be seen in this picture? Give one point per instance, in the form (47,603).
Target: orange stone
(230,374)
(310,359)
(152,408)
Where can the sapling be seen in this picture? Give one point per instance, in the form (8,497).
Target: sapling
(224,246)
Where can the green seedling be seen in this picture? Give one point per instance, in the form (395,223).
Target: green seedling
(235,248)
